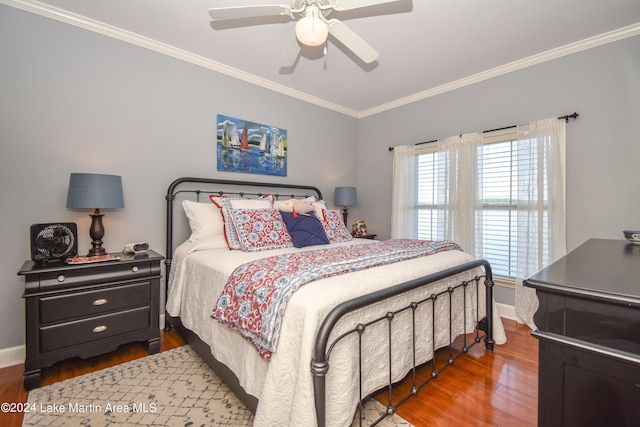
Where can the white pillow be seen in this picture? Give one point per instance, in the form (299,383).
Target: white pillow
(205,219)
(215,242)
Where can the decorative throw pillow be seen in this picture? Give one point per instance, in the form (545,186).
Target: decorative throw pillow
(296,206)
(226,203)
(205,220)
(305,230)
(334,227)
(260,229)
(320,205)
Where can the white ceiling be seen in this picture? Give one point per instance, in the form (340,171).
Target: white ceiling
(426,46)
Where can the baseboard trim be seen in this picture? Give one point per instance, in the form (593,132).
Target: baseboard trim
(507,311)
(12,356)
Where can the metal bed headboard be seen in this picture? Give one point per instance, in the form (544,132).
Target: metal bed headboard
(209,186)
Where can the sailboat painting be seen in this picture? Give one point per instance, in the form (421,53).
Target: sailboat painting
(250,147)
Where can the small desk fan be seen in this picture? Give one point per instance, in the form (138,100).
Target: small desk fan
(53,241)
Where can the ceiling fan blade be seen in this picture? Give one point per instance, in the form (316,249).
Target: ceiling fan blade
(352,41)
(236,12)
(291,52)
(341,5)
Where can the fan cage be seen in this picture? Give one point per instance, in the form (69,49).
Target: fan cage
(54,241)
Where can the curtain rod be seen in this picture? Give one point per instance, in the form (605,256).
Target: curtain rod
(565,117)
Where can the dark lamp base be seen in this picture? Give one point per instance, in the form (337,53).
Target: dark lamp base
(97,233)
(96,251)
(345,214)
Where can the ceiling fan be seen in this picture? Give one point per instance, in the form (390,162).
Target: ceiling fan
(312,28)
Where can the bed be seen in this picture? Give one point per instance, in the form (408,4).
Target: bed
(354,328)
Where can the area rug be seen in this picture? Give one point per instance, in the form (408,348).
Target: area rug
(172,388)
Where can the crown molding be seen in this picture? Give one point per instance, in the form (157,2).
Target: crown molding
(609,37)
(166,49)
(62,15)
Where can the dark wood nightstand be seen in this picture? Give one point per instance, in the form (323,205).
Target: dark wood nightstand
(89,309)
(366,236)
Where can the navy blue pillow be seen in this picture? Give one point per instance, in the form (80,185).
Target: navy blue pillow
(305,230)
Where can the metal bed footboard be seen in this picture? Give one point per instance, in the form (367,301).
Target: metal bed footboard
(323,348)
(197,187)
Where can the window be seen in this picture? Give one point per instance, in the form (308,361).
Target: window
(498,189)
(499,206)
(500,195)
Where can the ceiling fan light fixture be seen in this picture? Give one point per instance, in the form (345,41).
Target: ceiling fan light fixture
(311,30)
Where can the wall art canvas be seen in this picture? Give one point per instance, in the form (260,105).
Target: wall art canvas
(249,147)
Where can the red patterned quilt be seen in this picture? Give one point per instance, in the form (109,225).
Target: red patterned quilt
(255,297)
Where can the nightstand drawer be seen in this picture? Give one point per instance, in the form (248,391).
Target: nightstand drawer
(85,310)
(93,329)
(110,271)
(90,303)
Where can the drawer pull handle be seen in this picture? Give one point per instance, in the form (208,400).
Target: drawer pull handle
(135,268)
(99,329)
(61,278)
(100,301)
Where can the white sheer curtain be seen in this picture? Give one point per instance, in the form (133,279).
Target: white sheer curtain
(403,212)
(541,227)
(458,191)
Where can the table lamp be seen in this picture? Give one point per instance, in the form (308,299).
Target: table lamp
(345,196)
(95,191)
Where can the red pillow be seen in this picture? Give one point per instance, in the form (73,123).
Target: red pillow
(334,227)
(260,229)
(225,203)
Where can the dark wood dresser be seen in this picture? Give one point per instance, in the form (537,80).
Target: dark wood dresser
(84,310)
(588,327)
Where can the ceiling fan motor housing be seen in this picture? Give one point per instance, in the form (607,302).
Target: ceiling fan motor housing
(313,27)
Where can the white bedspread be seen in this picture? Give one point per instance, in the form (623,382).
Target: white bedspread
(284,385)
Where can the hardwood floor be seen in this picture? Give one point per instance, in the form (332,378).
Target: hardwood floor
(484,388)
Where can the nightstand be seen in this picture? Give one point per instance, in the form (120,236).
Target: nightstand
(85,310)
(366,236)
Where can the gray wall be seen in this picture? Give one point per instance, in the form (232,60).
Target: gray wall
(75,101)
(603,144)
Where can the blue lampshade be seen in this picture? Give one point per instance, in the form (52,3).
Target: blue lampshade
(95,191)
(345,196)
